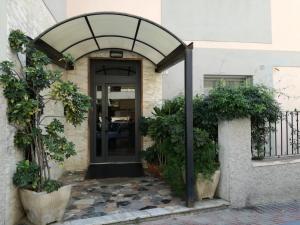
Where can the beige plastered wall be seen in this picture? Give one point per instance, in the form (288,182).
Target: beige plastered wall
(151,96)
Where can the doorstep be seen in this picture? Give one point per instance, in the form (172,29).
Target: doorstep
(149,214)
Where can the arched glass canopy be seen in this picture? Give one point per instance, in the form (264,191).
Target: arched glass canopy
(93,32)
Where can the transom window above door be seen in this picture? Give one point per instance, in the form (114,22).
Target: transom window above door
(212,81)
(121,70)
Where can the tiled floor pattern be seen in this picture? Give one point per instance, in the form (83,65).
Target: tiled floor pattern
(99,197)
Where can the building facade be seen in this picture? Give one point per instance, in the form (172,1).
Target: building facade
(232,39)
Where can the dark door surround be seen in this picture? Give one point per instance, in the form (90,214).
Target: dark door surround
(105,81)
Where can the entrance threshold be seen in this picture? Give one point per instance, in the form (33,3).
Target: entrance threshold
(114,169)
(151,214)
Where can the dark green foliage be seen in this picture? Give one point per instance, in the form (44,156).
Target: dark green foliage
(58,148)
(27,175)
(173,174)
(18,41)
(26,94)
(68,59)
(151,155)
(38,78)
(37,58)
(51,185)
(144,125)
(76,105)
(205,153)
(226,103)
(166,128)
(23,139)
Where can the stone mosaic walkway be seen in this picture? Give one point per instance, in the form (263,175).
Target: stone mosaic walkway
(99,197)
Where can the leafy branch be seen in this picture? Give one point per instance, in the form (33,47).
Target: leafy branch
(25,106)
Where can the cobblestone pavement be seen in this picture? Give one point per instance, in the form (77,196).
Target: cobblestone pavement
(283,213)
(99,197)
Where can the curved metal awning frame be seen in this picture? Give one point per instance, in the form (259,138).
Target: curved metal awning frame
(163,50)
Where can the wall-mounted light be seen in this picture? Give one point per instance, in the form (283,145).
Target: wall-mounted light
(116,54)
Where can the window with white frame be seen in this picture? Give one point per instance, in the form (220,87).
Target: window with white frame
(211,81)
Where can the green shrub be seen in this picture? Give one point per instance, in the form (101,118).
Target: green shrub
(51,185)
(166,128)
(227,103)
(27,175)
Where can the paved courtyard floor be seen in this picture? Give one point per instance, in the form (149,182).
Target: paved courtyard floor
(272,214)
(99,197)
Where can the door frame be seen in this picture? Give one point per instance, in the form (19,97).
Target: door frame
(92,115)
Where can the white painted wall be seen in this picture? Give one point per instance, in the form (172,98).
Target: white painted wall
(245,182)
(145,8)
(215,20)
(217,55)
(58,8)
(258,63)
(286,81)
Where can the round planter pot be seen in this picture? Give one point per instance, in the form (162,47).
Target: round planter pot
(154,170)
(206,188)
(42,208)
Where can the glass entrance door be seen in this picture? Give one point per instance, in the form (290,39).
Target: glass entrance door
(120,120)
(115,118)
(115,136)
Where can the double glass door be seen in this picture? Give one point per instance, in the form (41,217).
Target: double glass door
(115,129)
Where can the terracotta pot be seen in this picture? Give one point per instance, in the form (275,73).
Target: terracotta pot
(206,188)
(154,170)
(42,208)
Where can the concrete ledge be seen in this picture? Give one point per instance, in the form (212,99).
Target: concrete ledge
(276,162)
(150,214)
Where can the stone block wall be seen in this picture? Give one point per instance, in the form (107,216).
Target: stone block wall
(235,160)
(152,96)
(246,182)
(32,17)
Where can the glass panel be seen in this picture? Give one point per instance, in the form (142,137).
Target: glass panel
(212,81)
(157,38)
(148,52)
(82,48)
(121,120)
(68,33)
(113,70)
(113,25)
(99,119)
(115,42)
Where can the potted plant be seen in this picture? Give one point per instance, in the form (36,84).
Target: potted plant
(154,160)
(69,61)
(206,165)
(207,173)
(28,92)
(153,156)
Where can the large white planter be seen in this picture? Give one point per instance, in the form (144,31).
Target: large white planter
(206,188)
(42,208)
